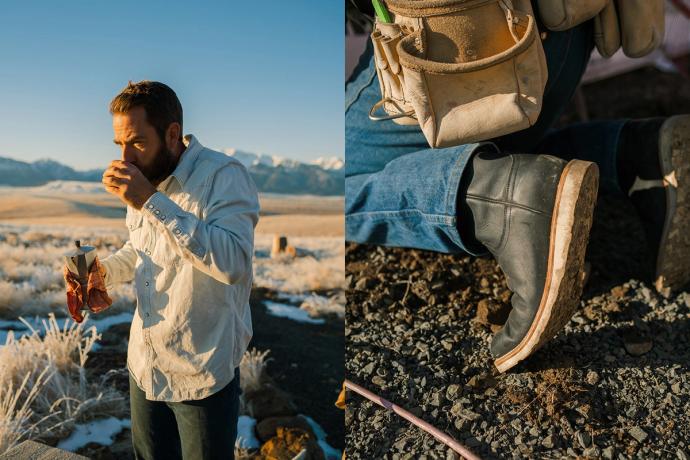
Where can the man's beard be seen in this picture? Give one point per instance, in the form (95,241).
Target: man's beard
(163,164)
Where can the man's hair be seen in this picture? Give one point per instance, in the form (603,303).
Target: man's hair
(158,100)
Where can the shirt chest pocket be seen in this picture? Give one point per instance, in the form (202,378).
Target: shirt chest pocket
(135,222)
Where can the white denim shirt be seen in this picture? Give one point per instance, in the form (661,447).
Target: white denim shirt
(190,255)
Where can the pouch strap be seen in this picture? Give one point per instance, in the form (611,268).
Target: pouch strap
(402,113)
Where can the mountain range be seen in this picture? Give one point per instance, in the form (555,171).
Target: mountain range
(272,174)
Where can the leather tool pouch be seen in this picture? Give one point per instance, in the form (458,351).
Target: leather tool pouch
(465,70)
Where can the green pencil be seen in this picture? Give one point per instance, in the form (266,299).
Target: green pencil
(381,11)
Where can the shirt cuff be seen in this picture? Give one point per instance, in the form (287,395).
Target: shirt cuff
(178,221)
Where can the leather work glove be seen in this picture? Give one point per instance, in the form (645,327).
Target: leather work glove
(98,299)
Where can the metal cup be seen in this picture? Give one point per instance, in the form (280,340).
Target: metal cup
(79,261)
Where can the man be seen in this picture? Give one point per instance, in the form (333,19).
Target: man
(526,198)
(191,214)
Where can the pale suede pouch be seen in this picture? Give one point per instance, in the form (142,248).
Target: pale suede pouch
(385,38)
(565,14)
(472,69)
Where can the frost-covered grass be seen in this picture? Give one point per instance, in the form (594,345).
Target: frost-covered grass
(322,268)
(44,390)
(31,261)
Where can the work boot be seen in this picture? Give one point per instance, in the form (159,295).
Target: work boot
(654,171)
(534,214)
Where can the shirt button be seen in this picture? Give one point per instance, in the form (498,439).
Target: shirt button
(147,283)
(163,217)
(156,211)
(177,230)
(148,252)
(150,206)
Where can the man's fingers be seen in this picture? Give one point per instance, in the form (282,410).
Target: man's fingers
(119,171)
(113,190)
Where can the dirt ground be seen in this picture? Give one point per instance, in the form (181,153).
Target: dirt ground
(614,384)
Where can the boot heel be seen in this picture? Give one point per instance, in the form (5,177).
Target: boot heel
(673,259)
(571,222)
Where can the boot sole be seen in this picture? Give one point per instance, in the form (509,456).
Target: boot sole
(570,225)
(673,259)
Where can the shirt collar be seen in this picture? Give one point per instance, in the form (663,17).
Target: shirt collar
(187,159)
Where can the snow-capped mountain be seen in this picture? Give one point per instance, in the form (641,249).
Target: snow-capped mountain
(271,173)
(20,173)
(324,176)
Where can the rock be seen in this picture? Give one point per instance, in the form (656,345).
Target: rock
(592,452)
(469,415)
(269,401)
(436,399)
(549,442)
(608,453)
(268,427)
(491,314)
(363,284)
(675,388)
(592,377)
(583,438)
(288,442)
(453,391)
(638,433)
(681,454)
(635,343)
(482,382)
(368,369)
(279,245)
(378,381)
(472,442)
(620,291)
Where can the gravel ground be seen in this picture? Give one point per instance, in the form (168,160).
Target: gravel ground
(614,384)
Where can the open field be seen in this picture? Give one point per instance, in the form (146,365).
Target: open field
(296,215)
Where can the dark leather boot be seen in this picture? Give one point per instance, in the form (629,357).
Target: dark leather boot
(533,213)
(654,171)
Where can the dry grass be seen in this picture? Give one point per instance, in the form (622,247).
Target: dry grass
(45,390)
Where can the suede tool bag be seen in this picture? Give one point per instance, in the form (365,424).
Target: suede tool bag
(472,70)
(565,14)
(385,39)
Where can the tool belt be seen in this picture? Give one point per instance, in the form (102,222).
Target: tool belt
(472,70)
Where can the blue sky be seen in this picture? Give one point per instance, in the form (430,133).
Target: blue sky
(265,77)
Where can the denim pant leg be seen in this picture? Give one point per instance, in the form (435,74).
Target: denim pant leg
(154,429)
(208,427)
(398,191)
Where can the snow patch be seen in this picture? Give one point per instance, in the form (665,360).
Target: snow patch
(246,439)
(101,432)
(291,312)
(329,451)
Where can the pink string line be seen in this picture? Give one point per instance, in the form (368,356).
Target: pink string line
(435,432)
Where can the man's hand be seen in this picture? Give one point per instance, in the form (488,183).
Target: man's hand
(127,182)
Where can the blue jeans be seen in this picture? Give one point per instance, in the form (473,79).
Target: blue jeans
(399,192)
(200,429)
